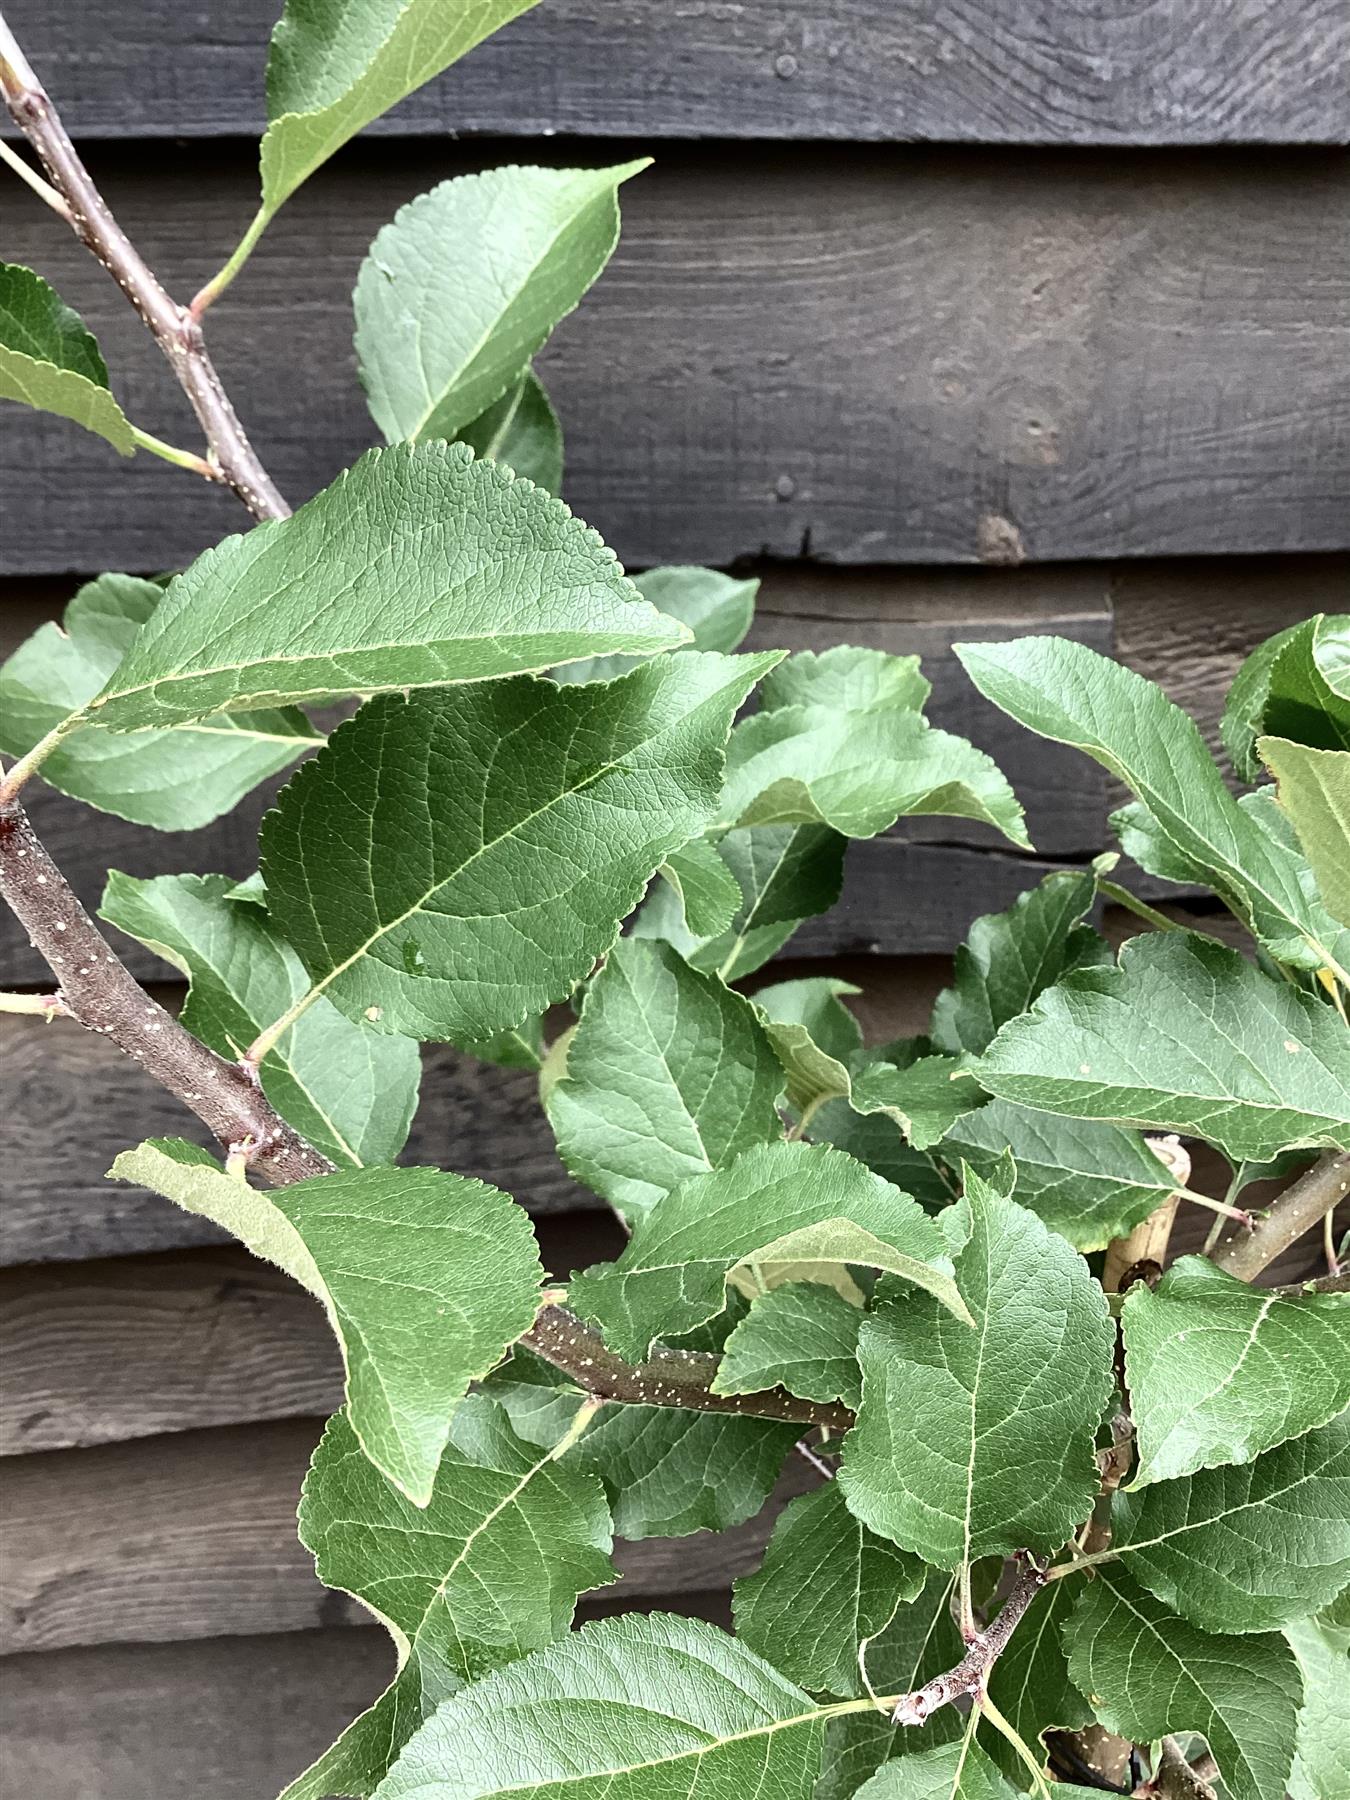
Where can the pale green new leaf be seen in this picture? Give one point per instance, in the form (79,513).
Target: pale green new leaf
(1150,1674)
(489,1571)
(1030,1683)
(858,772)
(1248,1548)
(717,608)
(418,567)
(334,66)
(521,431)
(847,678)
(464,285)
(49,360)
(920,1642)
(978,1443)
(505,829)
(1075,696)
(708,893)
(425,1278)
(1219,1372)
(176,778)
(1314,789)
(1185,1035)
(1322,1753)
(814,1036)
(1010,958)
(779,1211)
(668,1075)
(660,1707)
(827,1583)
(1331,653)
(802,1336)
(1245,706)
(347,1088)
(1089,1182)
(1283,691)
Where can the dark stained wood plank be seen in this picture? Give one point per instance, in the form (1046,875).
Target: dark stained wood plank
(1065,795)
(991,70)
(193,1536)
(73,1102)
(876,357)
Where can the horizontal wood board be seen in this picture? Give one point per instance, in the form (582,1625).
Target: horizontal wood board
(866,356)
(193,1535)
(992,71)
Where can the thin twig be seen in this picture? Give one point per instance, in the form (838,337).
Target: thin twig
(29,175)
(1300,1208)
(175,329)
(47,1006)
(971,1674)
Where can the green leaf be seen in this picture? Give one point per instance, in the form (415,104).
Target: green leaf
(717,608)
(425,1278)
(1250,1063)
(826,1585)
(49,360)
(176,778)
(1030,1683)
(754,1225)
(669,1472)
(849,678)
(1150,1674)
(814,1036)
(858,772)
(920,1642)
(348,1088)
(1245,707)
(708,892)
(1331,653)
(1219,1372)
(1010,958)
(668,1074)
(1301,704)
(418,567)
(978,1443)
(925,1098)
(1314,789)
(669,1706)
(878,1141)
(332,68)
(955,1771)
(1089,1182)
(521,431)
(489,1571)
(464,285)
(1249,1548)
(784,873)
(1075,696)
(1322,1756)
(802,1336)
(504,831)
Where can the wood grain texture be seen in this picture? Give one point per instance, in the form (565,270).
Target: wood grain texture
(993,71)
(73,1103)
(193,1536)
(870,356)
(1064,794)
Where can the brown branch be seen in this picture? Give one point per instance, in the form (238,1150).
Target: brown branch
(98,990)
(680,1378)
(175,329)
(1175,1779)
(971,1674)
(1300,1208)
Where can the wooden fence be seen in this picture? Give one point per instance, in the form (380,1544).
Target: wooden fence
(948,319)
